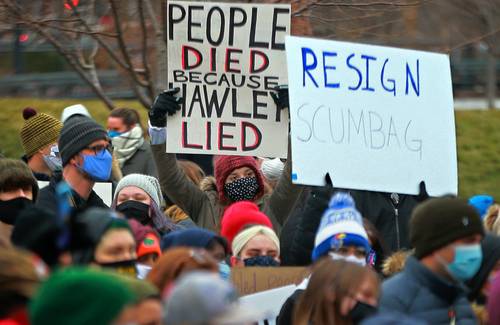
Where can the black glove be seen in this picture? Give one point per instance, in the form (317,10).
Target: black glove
(328,180)
(422,193)
(165,103)
(280,97)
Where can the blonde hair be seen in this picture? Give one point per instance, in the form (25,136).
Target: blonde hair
(244,237)
(491,220)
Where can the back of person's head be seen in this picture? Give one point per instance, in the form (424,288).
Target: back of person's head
(240,215)
(38,231)
(334,294)
(80,296)
(192,237)
(192,170)
(38,131)
(177,261)
(341,229)
(201,298)
(438,222)
(19,280)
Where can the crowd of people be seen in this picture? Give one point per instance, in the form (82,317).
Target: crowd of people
(164,250)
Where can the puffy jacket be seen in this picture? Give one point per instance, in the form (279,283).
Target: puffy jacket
(204,207)
(420,293)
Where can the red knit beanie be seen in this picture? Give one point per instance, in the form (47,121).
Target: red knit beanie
(224,165)
(240,214)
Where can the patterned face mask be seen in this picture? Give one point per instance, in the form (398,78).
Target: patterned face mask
(244,188)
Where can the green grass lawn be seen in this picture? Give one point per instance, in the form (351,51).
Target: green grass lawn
(478,137)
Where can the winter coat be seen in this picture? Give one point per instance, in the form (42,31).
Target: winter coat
(205,208)
(47,198)
(390,216)
(141,162)
(420,293)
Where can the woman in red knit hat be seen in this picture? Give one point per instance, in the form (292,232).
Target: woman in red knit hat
(237,178)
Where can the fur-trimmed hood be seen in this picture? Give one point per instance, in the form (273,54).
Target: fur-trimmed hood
(395,263)
(208,184)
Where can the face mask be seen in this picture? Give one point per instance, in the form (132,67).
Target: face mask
(98,167)
(114,134)
(467,261)
(244,188)
(361,311)
(261,261)
(348,258)
(135,210)
(142,271)
(122,267)
(10,209)
(224,271)
(53,160)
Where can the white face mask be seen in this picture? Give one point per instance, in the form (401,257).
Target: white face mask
(348,258)
(53,159)
(142,270)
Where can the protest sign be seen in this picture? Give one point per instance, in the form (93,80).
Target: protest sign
(268,303)
(103,190)
(226,59)
(375,118)
(249,280)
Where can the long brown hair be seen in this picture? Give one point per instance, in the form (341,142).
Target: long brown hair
(331,282)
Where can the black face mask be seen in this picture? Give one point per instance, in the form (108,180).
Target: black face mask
(10,209)
(126,267)
(261,261)
(361,311)
(135,210)
(244,188)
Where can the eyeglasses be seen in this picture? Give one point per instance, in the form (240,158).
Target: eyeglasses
(99,148)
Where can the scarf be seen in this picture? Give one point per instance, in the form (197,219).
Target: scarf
(125,145)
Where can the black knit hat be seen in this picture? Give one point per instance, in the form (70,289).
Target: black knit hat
(438,222)
(77,133)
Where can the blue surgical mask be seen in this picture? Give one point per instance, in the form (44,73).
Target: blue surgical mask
(114,134)
(224,271)
(98,167)
(467,261)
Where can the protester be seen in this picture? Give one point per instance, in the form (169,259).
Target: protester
(237,178)
(176,262)
(139,197)
(214,244)
(99,237)
(147,247)
(494,302)
(39,139)
(39,231)
(132,151)
(479,285)
(18,189)
(339,292)
(200,298)
(446,235)
(18,283)
(340,236)
(86,159)
(378,251)
(256,246)
(82,296)
(239,215)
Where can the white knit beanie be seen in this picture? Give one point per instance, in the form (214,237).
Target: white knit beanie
(272,168)
(244,237)
(148,184)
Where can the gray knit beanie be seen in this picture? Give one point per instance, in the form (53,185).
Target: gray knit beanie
(77,133)
(148,184)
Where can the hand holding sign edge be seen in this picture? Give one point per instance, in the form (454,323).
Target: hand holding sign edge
(165,103)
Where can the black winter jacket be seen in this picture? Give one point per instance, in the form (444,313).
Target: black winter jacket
(47,198)
(422,294)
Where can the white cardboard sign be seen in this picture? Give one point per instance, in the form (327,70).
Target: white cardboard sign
(226,58)
(376,118)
